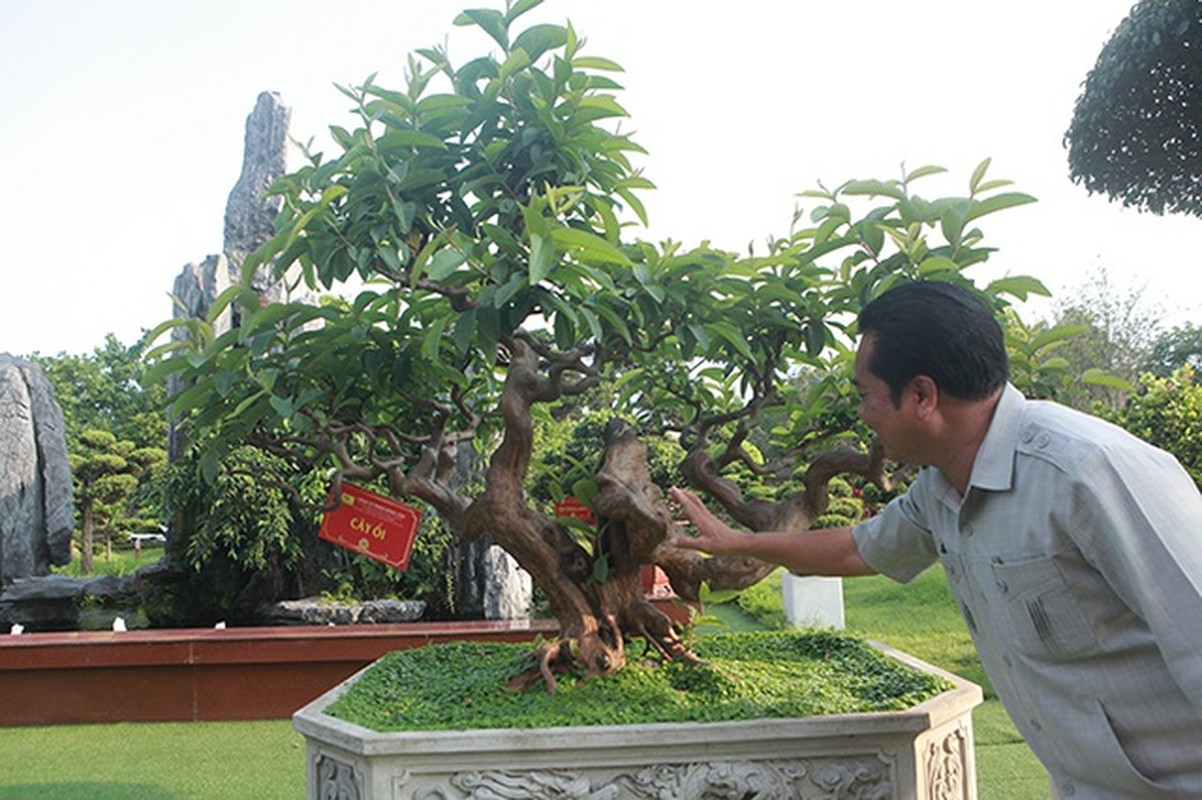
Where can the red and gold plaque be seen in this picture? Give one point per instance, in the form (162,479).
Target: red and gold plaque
(372,525)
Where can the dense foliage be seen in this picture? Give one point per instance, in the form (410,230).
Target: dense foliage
(1135,132)
(747,676)
(1167,412)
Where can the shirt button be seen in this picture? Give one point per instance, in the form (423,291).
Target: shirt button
(1006,660)
(1068,787)
(1002,587)
(1035,726)
(967,530)
(1043,440)
(1028,435)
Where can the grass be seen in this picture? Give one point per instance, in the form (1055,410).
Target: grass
(124,560)
(265,760)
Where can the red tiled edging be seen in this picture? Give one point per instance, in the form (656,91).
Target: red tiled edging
(204,674)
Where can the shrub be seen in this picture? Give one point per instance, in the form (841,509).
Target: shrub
(1167,412)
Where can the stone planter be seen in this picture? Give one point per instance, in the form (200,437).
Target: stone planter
(924,752)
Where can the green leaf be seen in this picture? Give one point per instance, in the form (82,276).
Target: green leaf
(492,21)
(585,490)
(979,208)
(542,259)
(605,104)
(517,60)
(444,262)
(922,172)
(281,405)
(1056,334)
(538,39)
(1099,377)
(221,301)
(815,338)
(936,264)
(432,341)
(732,336)
(595,62)
(1019,286)
(974,182)
(989,186)
(874,188)
(591,244)
(633,202)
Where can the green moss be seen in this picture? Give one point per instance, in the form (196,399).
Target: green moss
(461,686)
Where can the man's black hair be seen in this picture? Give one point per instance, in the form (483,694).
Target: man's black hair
(939,330)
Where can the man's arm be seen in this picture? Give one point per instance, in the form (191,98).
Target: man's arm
(828,551)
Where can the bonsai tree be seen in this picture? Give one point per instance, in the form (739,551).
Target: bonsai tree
(486,209)
(106,472)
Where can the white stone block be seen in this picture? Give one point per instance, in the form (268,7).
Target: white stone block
(812,601)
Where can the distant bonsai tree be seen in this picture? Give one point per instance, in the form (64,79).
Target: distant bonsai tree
(106,472)
(1135,132)
(487,207)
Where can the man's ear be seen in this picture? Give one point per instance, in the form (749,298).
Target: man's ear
(926,395)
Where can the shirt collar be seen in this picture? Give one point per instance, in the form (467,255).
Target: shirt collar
(993,468)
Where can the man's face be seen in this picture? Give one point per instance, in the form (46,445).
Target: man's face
(892,425)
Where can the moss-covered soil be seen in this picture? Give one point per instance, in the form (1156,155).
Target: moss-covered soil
(461,686)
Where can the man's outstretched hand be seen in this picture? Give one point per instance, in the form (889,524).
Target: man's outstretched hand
(713,535)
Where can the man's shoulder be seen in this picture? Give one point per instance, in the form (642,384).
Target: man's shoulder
(1070,438)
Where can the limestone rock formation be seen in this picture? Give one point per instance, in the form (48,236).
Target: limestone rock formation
(249,219)
(37,511)
(249,212)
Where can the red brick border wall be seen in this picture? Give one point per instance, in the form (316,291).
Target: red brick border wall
(203,674)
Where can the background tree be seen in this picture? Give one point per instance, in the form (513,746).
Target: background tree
(1113,332)
(1134,135)
(485,206)
(106,472)
(1172,349)
(106,390)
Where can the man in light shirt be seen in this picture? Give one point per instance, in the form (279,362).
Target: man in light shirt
(1073,549)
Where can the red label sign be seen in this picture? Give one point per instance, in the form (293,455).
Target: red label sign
(372,525)
(573,508)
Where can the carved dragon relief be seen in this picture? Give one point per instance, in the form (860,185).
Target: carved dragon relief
(840,778)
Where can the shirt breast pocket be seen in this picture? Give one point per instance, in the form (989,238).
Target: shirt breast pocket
(1039,612)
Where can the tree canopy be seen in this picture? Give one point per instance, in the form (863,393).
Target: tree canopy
(1134,135)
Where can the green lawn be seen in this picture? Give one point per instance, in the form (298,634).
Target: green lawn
(265,760)
(160,761)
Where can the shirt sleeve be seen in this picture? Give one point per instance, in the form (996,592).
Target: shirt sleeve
(897,542)
(1136,515)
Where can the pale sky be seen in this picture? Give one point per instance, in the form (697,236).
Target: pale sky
(123,122)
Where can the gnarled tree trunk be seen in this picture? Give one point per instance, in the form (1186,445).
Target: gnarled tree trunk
(597,596)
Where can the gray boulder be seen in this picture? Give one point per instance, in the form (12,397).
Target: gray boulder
(37,511)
